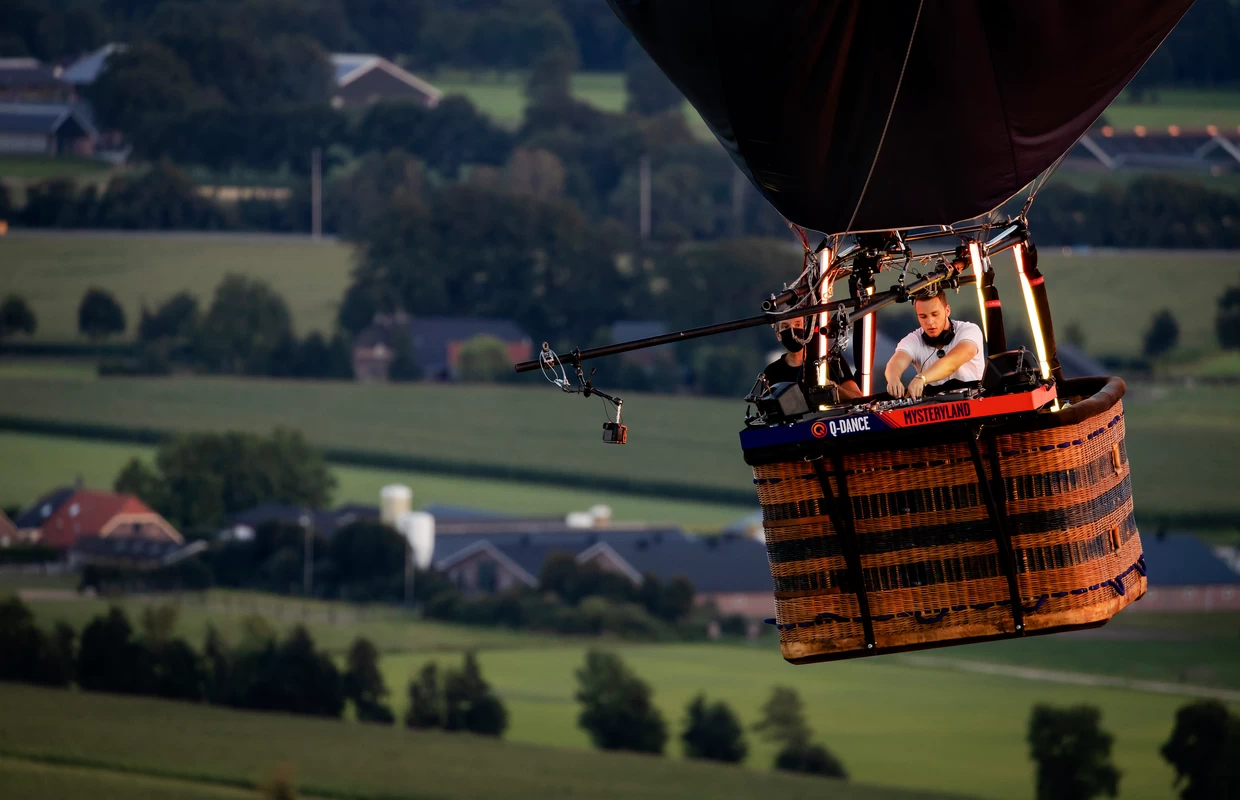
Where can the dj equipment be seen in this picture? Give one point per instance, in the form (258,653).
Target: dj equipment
(864,419)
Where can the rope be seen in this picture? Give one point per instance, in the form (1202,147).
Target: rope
(890,111)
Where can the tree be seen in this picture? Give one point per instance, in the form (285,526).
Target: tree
(1072,754)
(363,683)
(290,676)
(617,710)
(649,90)
(713,732)
(1163,334)
(16,317)
(783,723)
(29,655)
(483,359)
(99,315)
(365,551)
(1227,323)
(246,327)
(551,76)
(1204,749)
(469,703)
(783,719)
(425,700)
(110,660)
(206,476)
(175,319)
(140,480)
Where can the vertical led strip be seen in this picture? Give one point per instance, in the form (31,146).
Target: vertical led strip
(824,319)
(975,255)
(1035,322)
(867,348)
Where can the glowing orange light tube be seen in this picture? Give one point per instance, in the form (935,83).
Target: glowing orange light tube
(1035,323)
(975,255)
(824,318)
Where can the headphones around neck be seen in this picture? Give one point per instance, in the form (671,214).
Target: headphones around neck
(943,339)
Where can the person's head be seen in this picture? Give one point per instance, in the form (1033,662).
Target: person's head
(790,333)
(933,314)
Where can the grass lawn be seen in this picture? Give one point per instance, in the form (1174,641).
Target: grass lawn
(334,625)
(1111,296)
(1188,108)
(502,95)
(214,745)
(33,465)
(35,780)
(45,167)
(54,270)
(1181,440)
(890,723)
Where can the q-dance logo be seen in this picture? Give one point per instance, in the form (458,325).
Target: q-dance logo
(819,429)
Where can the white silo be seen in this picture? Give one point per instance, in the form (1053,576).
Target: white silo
(418,528)
(394,500)
(601,514)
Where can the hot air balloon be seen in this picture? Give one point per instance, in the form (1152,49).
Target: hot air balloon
(897,130)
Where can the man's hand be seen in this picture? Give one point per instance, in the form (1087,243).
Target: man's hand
(895,388)
(916,386)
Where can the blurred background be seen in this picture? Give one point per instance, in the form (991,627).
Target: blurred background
(276,504)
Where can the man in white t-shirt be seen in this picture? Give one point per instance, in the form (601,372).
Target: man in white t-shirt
(940,350)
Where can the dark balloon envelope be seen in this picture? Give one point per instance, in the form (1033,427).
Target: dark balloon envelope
(817,106)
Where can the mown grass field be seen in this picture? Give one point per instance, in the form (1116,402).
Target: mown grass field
(36,780)
(213,745)
(33,465)
(53,271)
(889,722)
(1112,297)
(1187,108)
(1181,440)
(893,721)
(334,625)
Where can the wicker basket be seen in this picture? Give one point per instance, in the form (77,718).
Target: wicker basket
(933,532)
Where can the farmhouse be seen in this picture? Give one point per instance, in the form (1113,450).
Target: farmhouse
(61,517)
(435,343)
(362,79)
(46,129)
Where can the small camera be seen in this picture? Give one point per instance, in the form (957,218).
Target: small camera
(615,433)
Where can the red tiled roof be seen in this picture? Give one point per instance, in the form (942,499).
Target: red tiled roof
(88,512)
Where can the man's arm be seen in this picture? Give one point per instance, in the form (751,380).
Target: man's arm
(849,390)
(895,368)
(945,367)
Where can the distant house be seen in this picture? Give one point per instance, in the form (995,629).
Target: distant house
(242,524)
(45,129)
(729,571)
(63,516)
(30,81)
(87,69)
(435,342)
(1186,574)
(130,552)
(8,531)
(362,79)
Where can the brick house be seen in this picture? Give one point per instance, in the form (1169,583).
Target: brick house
(61,517)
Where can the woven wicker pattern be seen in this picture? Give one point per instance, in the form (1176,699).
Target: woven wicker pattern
(932,567)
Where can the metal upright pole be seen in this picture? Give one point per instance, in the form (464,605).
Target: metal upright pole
(307,577)
(316,192)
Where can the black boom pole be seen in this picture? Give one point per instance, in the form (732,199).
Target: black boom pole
(877,301)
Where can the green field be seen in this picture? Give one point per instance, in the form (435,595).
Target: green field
(501,95)
(36,780)
(1188,108)
(53,271)
(45,167)
(213,745)
(33,465)
(954,730)
(1111,296)
(334,625)
(1181,439)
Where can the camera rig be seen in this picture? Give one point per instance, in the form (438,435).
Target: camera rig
(614,432)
